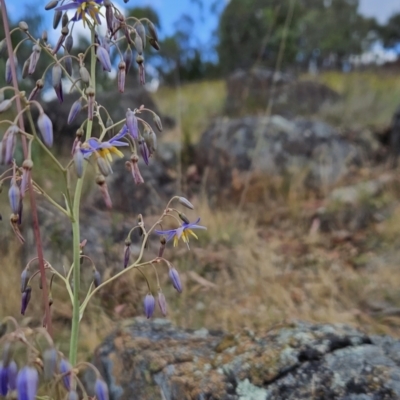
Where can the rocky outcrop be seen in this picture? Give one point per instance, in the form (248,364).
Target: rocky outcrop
(155,360)
(308,150)
(248,93)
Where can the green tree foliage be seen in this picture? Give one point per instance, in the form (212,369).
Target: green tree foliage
(390,33)
(251,31)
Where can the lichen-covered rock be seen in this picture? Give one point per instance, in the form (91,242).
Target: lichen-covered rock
(309,151)
(154,360)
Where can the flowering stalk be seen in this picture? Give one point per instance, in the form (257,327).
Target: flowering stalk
(39,247)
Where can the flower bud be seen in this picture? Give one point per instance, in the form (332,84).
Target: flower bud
(27,383)
(176,281)
(90,95)
(101,390)
(14,197)
(25,276)
(26,296)
(23,26)
(3,47)
(68,63)
(56,18)
(96,278)
(75,110)
(185,202)
(56,81)
(5,105)
(8,69)
(152,30)
(139,44)
(132,124)
(69,42)
(34,58)
(72,395)
(149,304)
(61,39)
(12,372)
(104,166)
(3,380)
(121,76)
(128,57)
(104,58)
(84,73)
(134,167)
(127,254)
(158,123)
(25,67)
(49,363)
(64,20)
(66,370)
(10,139)
(162,303)
(50,5)
(151,140)
(46,129)
(36,89)
(109,15)
(142,73)
(154,44)
(144,150)
(184,218)
(141,32)
(78,161)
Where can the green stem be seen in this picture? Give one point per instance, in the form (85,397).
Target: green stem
(73,349)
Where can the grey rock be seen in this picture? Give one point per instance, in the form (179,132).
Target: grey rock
(155,360)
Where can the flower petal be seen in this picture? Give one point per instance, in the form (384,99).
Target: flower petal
(69,6)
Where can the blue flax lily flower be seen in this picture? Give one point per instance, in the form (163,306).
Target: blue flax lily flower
(83,9)
(105,149)
(182,232)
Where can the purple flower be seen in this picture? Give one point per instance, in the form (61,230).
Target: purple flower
(149,304)
(101,390)
(26,296)
(104,149)
(12,372)
(46,129)
(3,380)
(27,383)
(182,232)
(83,9)
(14,196)
(132,123)
(65,370)
(104,58)
(176,280)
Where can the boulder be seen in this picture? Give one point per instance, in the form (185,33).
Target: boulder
(248,93)
(308,150)
(154,360)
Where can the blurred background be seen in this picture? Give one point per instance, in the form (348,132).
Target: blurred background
(282,125)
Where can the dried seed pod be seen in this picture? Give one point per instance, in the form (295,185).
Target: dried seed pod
(121,76)
(56,19)
(90,97)
(141,32)
(142,75)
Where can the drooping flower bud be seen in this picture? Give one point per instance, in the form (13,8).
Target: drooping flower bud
(34,58)
(101,390)
(104,58)
(185,202)
(158,123)
(64,20)
(61,39)
(12,372)
(69,42)
(75,110)
(50,5)
(36,89)
(132,124)
(176,280)
(25,67)
(144,150)
(46,129)
(151,140)
(127,253)
(104,166)
(121,76)
(66,370)
(14,197)
(49,363)
(56,81)
(141,32)
(9,143)
(96,278)
(26,296)
(109,15)
(184,218)
(5,105)
(128,57)
(3,380)
(67,63)
(56,18)
(154,44)
(78,160)
(27,166)
(149,304)
(3,47)
(27,383)
(84,73)
(162,303)
(152,30)
(139,44)
(8,68)
(25,276)
(142,73)
(134,168)
(90,96)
